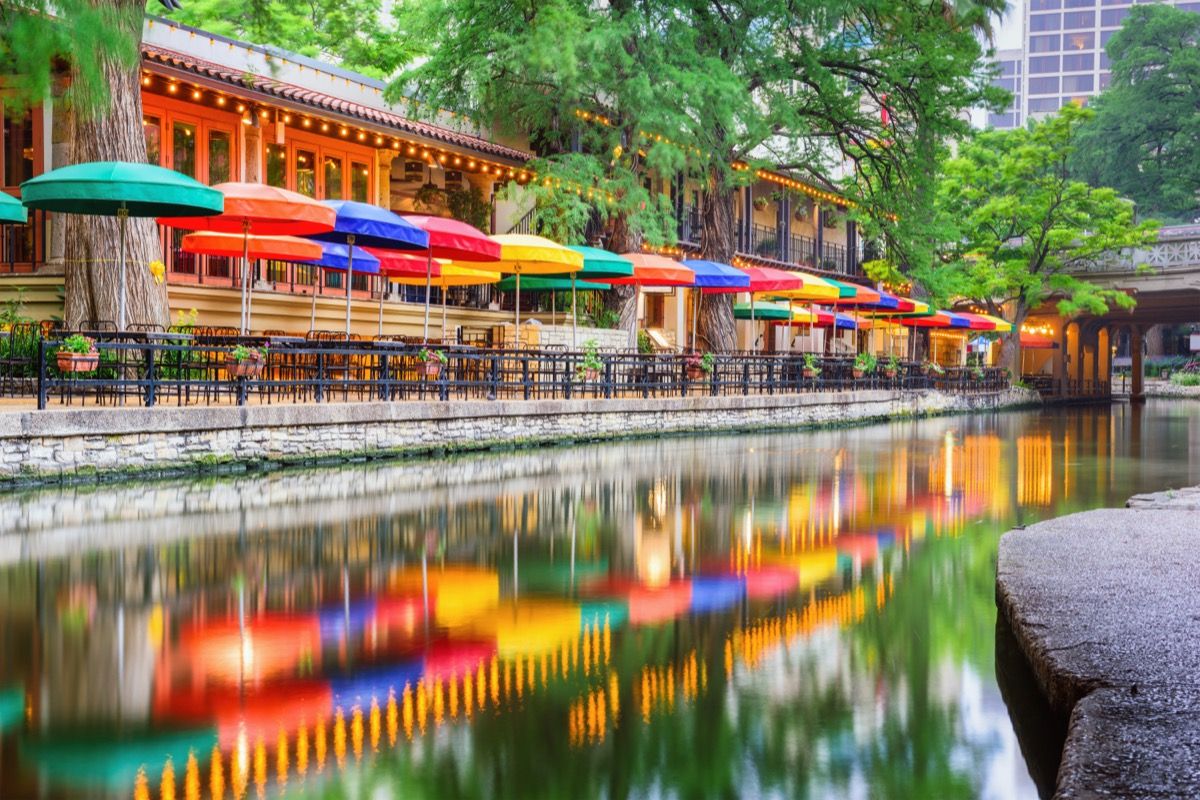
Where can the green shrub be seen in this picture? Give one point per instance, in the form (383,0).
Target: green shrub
(1186,378)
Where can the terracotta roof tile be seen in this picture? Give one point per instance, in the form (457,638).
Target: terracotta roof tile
(327,102)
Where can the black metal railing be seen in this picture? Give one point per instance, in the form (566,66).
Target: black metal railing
(152,368)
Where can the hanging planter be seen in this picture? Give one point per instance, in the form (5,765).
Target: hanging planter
(246,362)
(760,203)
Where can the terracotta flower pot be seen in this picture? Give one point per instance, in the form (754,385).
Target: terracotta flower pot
(809,374)
(77,362)
(889,373)
(695,372)
(250,367)
(433,368)
(858,373)
(591,374)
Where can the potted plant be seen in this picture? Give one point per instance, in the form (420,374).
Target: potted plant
(77,354)
(590,367)
(433,361)
(933,369)
(247,362)
(864,363)
(891,367)
(699,366)
(810,370)
(760,203)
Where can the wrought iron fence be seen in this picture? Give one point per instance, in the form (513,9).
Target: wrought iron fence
(154,368)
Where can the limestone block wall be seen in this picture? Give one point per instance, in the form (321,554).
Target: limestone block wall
(72,443)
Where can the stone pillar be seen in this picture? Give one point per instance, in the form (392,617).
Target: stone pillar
(252,163)
(383,177)
(61,124)
(1095,362)
(1137,392)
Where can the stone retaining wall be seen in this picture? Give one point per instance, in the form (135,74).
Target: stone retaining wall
(50,445)
(1171,390)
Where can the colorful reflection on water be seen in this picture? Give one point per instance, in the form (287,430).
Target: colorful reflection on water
(773,615)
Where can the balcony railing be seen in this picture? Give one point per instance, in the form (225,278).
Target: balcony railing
(765,241)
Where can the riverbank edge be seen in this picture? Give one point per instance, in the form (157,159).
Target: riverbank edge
(1122,721)
(1171,391)
(70,446)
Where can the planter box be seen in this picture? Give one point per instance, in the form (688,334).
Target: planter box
(249,368)
(809,374)
(78,362)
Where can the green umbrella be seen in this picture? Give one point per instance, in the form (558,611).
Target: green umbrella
(11,209)
(763,311)
(597,263)
(121,189)
(541,284)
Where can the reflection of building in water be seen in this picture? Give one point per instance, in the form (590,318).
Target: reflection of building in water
(1035,469)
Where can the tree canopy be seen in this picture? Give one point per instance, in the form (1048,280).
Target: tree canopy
(1017,228)
(1144,137)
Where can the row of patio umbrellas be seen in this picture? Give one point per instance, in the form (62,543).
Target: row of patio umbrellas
(257,221)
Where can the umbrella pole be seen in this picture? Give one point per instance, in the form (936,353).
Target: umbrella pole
(696,317)
(245,275)
(122,221)
(428,282)
(753,331)
(443,315)
(381,288)
(574,317)
(312,320)
(349,279)
(517,309)
(790,338)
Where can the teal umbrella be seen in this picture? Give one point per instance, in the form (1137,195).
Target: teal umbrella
(597,263)
(12,706)
(11,209)
(106,759)
(121,189)
(537,283)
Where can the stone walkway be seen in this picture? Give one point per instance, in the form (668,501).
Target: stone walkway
(1105,606)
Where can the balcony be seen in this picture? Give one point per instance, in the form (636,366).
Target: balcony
(765,242)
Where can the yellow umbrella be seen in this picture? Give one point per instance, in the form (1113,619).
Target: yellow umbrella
(1002,325)
(536,255)
(814,288)
(452,275)
(813,566)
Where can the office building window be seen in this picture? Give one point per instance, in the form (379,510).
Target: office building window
(1044,5)
(1007,84)
(1044,22)
(1008,120)
(1079,41)
(1040,65)
(1105,79)
(1077,83)
(1104,64)
(1074,20)
(1009,68)
(1105,36)
(1044,43)
(1079,3)
(1038,105)
(1112,17)
(1043,85)
(1078,62)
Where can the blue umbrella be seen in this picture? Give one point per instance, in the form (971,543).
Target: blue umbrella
(844,321)
(714,275)
(365,225)
(338,256)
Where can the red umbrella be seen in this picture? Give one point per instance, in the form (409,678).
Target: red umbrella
(978,323)
(455,240)
(769,279)
(254,208)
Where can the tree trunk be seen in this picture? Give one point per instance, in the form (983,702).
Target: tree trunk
(715,324)
(1010,346)
(623,299)
(91,254)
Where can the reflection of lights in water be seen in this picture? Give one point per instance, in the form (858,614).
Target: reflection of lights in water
(216,774)
(281,759)
(239,763)
(949,477)
(191,777)
(260,767)
(167,784)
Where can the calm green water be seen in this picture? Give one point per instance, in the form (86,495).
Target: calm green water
(801,615)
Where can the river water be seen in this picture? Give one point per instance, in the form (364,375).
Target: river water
(783,615)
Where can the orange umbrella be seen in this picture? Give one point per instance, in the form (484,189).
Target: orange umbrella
(255,208)
(284,248)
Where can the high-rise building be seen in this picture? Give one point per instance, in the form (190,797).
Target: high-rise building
(1064,58)
(1011,64)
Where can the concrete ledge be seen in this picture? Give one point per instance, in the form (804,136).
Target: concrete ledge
(1104,607)
(69,444)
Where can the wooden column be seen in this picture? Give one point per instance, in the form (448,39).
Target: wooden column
(1137,392)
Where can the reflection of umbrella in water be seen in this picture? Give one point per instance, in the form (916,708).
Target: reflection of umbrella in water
(373,683)
(530,627)
(650,605)
(597,611)
(812,566)
(457,594)
(252,711)
(88,759)
(716,592)
(453,657)
(858,546)
(555,576)
(269,646)
(12,706)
